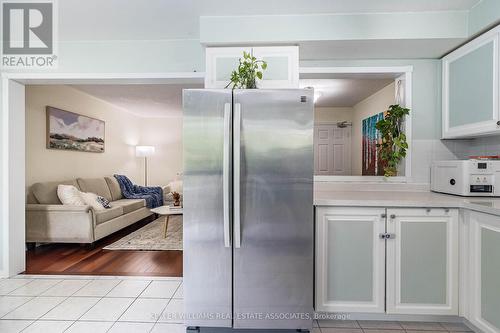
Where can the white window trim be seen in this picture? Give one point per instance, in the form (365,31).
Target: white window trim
(403,70)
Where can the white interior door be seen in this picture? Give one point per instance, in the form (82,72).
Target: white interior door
(332,150)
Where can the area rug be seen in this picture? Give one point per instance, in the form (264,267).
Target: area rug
(150,237)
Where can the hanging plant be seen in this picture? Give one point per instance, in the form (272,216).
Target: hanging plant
(393,146)
(249,70)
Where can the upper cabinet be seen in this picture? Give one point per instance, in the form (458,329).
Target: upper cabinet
(470,88)
(282,65)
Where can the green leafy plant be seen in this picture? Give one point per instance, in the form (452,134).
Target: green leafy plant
(249,70)
(393,147)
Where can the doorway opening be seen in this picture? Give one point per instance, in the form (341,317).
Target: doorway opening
(145,111)
(348,104)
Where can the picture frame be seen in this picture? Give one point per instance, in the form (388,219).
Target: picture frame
(66,130)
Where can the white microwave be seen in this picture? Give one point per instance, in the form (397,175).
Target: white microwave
(466,177)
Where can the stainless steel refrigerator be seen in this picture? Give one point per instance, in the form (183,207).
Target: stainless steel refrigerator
(248,208)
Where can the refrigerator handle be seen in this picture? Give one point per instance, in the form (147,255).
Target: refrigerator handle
(236,174)
(226,175)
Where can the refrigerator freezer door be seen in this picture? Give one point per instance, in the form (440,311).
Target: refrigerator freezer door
(273,267)
(207,169)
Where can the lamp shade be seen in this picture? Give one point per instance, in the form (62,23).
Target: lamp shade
(144,151)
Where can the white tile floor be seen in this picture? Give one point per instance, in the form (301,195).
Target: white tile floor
(86,304)
(52,304)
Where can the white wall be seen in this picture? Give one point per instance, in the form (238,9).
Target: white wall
(376,103)
(122,134)
(332,114)
(165,134)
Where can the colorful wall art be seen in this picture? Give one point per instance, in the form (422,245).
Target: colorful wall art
(372,165)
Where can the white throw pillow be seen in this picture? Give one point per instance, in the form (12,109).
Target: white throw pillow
(91,200)
(70,195)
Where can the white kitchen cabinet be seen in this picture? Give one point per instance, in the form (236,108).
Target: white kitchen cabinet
(484,272)
(350,274)
(282,62)
(422,261)
(398,261)
(471,88)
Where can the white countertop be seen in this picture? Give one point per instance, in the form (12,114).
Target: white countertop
(404,199)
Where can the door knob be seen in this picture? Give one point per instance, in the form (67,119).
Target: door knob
(498,123)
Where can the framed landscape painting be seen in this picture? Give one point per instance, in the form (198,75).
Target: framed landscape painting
(71,131)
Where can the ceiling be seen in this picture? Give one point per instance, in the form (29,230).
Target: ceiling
(165,100)
(175,19)
(344,92)
(143,100)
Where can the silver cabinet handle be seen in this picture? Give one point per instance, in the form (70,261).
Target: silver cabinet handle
(387,236)
(393,216)
(236,173)
(384,215)
(226,175)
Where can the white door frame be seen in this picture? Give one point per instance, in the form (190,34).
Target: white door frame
(13,176)
(406,71)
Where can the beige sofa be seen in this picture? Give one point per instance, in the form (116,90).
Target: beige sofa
(48,221)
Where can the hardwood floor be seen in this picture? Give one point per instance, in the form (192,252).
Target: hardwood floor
(76,259)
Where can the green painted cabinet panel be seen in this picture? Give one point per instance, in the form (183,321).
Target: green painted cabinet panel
(277,68)
(471,90)
(350,261)
(483,275)
(423,262)
(471,87)
(490,276)
(224,67)
(282,65)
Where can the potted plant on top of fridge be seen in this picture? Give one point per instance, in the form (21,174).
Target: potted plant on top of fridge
(249,70)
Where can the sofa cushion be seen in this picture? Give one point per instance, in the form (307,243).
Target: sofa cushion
(46,193)
(114,187)
(102,216)
(129,205)
(95,185)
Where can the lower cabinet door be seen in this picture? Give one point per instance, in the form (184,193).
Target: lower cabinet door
(484,247)
(422,261)
(350,259)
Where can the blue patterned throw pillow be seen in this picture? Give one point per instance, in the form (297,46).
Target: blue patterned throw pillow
(103,201)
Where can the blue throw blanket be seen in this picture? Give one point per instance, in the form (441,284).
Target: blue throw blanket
(152,195)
